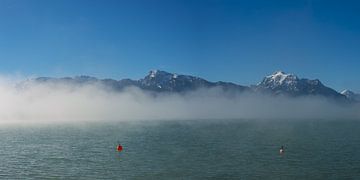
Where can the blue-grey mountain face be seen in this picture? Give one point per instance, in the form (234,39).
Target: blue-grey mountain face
(82,80)
(280,83)
(158,81)
(155,81)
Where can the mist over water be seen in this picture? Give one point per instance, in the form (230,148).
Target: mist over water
(58,102)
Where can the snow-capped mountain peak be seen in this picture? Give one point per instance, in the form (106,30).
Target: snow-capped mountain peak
(279,78)
(162,81)
(347,92)
(289,84)
(351,95)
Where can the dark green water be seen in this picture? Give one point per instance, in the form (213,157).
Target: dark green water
(183,150)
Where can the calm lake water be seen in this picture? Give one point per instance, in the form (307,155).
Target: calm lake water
(224,149)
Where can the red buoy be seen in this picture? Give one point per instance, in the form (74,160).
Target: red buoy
(119,148)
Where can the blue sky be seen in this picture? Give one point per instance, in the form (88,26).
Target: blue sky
(230,40)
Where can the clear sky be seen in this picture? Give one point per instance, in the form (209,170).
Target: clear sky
(230,40)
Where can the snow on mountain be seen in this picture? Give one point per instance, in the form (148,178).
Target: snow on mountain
(279,78)
(280,83)
(153,73)
(347,92)
(351,95)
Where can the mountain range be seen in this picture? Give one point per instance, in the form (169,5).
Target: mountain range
(278,83)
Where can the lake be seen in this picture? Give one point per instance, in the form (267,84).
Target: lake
(198,149)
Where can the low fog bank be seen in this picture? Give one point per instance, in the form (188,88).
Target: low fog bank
(54,103)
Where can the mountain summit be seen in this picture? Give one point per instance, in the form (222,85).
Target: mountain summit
(165,81)
(279,78)
(351,95)
(280,83)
